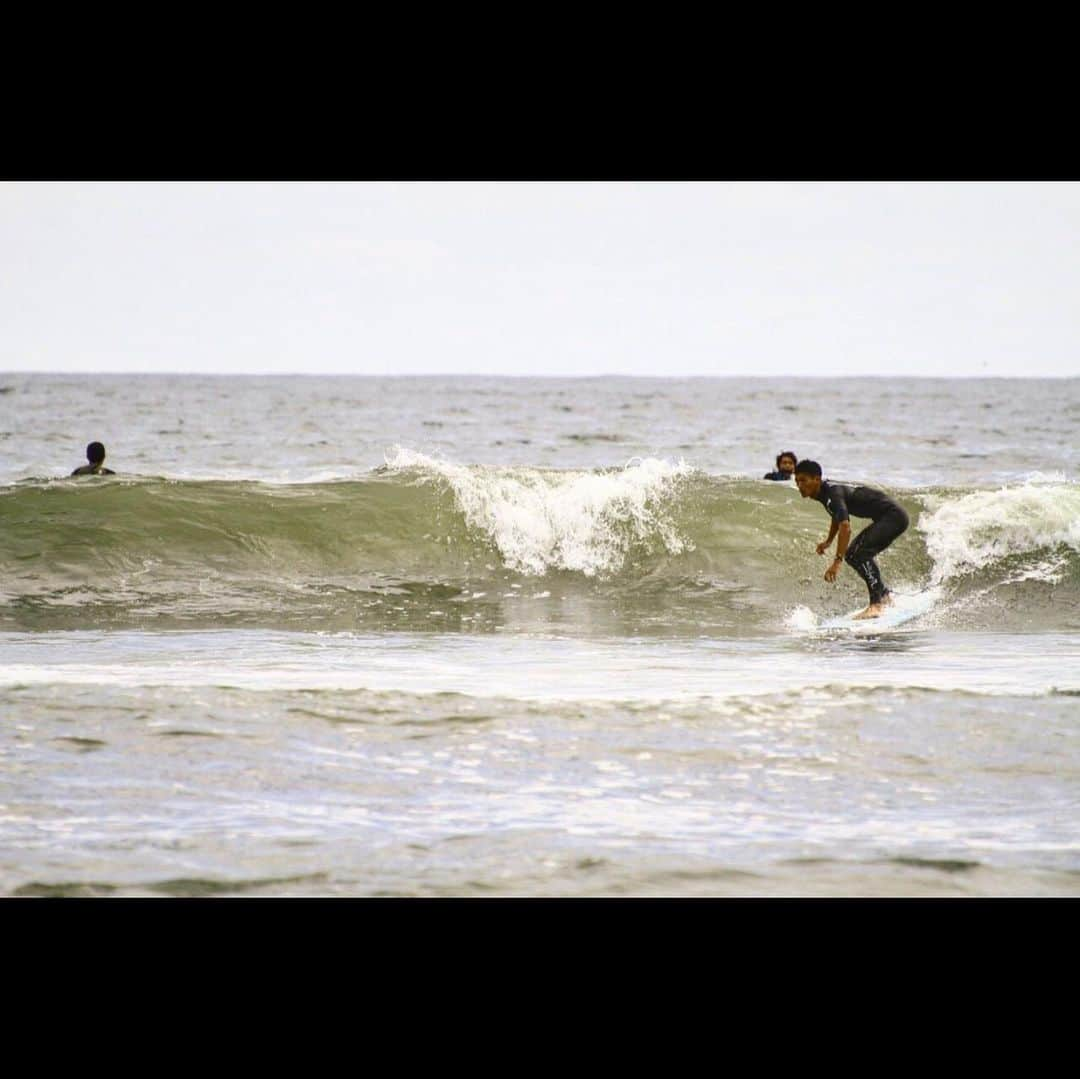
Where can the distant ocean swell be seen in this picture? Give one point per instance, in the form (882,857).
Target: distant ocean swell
(419,542)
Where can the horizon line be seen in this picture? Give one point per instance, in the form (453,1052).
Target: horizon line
(547,377)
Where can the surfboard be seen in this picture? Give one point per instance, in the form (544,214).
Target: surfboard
(903,608)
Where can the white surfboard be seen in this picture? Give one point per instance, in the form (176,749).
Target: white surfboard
(902,609)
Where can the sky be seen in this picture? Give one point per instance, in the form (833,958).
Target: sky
(786,279)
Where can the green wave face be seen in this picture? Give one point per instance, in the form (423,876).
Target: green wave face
(652,548)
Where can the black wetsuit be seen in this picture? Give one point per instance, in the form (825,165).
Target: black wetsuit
(778,476)
(889,520)
(93,470)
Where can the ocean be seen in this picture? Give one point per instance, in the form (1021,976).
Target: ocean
(397,637)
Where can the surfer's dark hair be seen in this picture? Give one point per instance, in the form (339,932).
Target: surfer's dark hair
(808,468)
(95,453)
(787,453)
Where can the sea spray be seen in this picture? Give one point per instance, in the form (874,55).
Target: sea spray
(577,521)
(978,530)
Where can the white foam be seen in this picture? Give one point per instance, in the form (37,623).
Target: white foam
(966,533)
(576,520)
(529,667)
(801,620)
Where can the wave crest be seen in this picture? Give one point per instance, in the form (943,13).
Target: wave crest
(971,532)
(578,521)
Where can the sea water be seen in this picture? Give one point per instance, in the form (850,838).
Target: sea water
(543,637)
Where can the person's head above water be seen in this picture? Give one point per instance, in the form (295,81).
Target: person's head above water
(95,454)
(808,478)
(785,462)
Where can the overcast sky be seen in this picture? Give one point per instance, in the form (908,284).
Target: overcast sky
(789,279)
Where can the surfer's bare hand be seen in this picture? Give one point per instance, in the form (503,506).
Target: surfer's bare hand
(832,571)
(823,546)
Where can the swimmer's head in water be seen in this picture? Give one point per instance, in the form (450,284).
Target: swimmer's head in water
(95,453)
(785,462)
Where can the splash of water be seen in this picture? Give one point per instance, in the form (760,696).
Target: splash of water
(580,521)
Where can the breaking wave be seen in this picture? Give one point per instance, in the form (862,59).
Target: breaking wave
(652,547)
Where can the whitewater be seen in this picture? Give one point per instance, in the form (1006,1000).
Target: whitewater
(375,636)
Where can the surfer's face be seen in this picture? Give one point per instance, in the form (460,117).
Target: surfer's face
(808,485)
(787,465)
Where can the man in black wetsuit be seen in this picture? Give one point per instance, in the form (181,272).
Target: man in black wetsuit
(785,467)
(95,455)
(840,500)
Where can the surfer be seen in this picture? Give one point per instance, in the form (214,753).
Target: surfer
(95,455)
(840,499)
(785,467)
